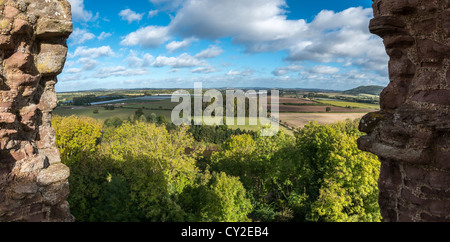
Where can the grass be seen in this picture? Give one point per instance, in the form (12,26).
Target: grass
(345,104)
(107,114)
(154,105)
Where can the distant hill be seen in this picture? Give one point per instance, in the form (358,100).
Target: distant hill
(374,90)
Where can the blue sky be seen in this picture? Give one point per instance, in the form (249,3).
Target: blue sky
(227,43)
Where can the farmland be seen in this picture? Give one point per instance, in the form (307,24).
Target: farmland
(295,110)
(351,105)
(299,120)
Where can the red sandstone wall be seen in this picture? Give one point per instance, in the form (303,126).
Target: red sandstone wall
(33,181)
(411,134)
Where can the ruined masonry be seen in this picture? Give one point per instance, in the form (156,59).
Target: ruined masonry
(411,133)
(33,181)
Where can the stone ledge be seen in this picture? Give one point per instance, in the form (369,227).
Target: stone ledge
(53,174)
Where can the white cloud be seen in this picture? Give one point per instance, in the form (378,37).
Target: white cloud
(150,36)
(263,26)
(138,62)
(130,15)
(343,35)
(204,70)
(79,36)
(152,13)
(182,61)
(168,4)
(73,70)
(177,45)
(103,36)
(118,71)
(78,11)
(240,73)
(73,77)
(84,51)
(343,80)
(211,52)
(88,63)
(325,70)
(260,25)
(281,71)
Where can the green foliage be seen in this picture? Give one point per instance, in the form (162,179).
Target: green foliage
(76,136)
(319,176)
(138,113)
(217,198)
(259,164)
(338,180)
(141,172)
(148,170)
(114,122)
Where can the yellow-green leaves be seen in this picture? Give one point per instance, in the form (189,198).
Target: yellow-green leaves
(75,135)
(339,179)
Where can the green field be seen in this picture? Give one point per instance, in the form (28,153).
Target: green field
(345,104)
(127,108)
(106,114)
(153,105)
(125,113)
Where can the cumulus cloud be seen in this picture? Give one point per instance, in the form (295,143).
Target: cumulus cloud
(168,4)
(88,63)
(84,51)
(204,70)
(150,36)
(103,36)
(118,71)
(342,80)
(246,21)
(263,26)
(240,73)
(281,71)
(78,11)
(341,35)
(182,61)
(177,45)
(73,70)
(152,13)
(79,36)
(211,52)
(325,70)
(135,61)
(130,15)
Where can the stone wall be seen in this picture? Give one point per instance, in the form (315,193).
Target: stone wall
(33,181)
(411,133)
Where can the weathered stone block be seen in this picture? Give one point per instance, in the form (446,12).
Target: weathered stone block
(51,59)
(53,174)
(390,176)
(53,28)
(404,6)
(22,27)
(387,25)
(10,12)
(441,97)
(5,25)
(5,42)
(432,50)
(19,60)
